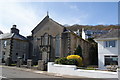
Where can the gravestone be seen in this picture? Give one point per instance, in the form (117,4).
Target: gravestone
(8,61)
(29,63)
(41,65)
(19,62)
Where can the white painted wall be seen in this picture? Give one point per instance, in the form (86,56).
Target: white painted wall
(119,59)
(73,71)
(83,34)
(102,51)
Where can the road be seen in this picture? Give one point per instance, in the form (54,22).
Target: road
(19,74)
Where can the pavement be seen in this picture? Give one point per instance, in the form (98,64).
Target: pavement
(16,73)
(41,72)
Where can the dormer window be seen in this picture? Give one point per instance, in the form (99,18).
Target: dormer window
(110,44)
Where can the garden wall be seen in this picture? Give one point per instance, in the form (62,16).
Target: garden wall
(72,70)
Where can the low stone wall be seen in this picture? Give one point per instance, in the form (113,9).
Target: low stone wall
(41,65)
(72,70)
(29,63)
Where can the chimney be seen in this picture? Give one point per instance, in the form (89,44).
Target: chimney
(14,30)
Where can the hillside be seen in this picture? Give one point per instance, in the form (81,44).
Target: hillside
(89,27)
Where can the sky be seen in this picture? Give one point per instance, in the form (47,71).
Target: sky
(26,15)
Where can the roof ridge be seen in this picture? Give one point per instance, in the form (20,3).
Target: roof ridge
(45,18)
(57,22)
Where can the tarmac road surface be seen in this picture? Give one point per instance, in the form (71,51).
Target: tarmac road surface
(18,74)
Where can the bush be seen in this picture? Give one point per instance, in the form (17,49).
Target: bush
(61,60)
(70,60)
(77,57)
(66,61)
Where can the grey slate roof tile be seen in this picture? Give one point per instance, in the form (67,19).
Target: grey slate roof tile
(15,36)
(112,34)
(6,35)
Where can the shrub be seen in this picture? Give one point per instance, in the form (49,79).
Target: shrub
(77,57)
(72,62)
(66,61)
(78,51)
(61,60)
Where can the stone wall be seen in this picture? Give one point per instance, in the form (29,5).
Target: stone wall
(5,50)
(20,49)
(64,45)
(46,26)
(70,42)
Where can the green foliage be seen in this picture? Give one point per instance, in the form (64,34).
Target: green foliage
(72,62)
(76,57)
(78,51)
(61,60)
(13,64)
(66,61)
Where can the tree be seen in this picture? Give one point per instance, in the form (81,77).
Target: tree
(78,51)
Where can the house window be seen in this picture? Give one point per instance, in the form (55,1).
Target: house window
(111,43)
(16,54)
(111,60)
(3,54)
(5,44)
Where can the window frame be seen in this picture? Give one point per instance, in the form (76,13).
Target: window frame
(110,44)
(110,57)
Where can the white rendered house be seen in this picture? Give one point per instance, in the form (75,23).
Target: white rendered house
(92,33)
(108,48)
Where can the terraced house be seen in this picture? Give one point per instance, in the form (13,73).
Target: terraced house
(13,45)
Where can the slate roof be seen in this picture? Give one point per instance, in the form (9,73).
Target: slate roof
(112,34)
(6,35)
(1,32)
(20,37)
(10,35)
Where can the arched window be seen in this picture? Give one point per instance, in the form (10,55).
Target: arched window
(57,48)
(45,39)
